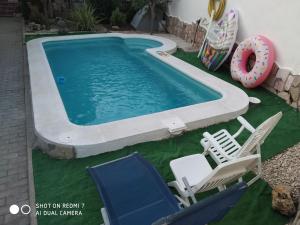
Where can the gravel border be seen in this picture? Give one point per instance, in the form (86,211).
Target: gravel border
(284,169)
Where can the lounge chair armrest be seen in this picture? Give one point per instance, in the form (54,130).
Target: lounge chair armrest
(216,145)
(205,144)
(245,124)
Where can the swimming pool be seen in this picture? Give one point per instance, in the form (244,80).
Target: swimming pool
(97,93)
(107,79)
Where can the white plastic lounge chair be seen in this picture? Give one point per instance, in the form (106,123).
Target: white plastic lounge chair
(223,147)
(194,174)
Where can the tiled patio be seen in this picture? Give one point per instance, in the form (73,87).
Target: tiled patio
(13,146)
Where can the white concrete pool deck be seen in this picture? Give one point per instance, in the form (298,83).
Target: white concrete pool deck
(63,139)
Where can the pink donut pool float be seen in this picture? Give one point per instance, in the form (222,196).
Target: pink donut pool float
(264,52)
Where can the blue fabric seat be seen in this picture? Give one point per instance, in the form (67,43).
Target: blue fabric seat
(134,193)
(211,209)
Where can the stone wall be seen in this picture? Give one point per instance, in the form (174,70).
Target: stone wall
(186,31)
(281,81)
(285,84)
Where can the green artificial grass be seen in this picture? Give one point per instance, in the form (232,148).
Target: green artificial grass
(67,180)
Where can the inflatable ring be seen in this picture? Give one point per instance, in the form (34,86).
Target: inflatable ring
(265,56)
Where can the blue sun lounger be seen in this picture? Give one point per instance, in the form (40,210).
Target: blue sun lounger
(134,193)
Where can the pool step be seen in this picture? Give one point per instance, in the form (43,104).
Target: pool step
(175,125)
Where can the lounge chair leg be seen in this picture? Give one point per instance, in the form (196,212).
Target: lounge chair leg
(205,153)
(253,180)
(184,201)
(184,198)
(222,188)
(259,169)
(105,216)
(189,190)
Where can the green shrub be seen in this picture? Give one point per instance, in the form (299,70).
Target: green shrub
(38,17)
(25,9)
(84,18)
(126,7)
(103,8)
(118,18)
(138,4)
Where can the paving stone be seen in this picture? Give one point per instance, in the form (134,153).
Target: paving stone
(20,161)
(2,188)
(19,183)
(4,210)
(2,202)
(8,179)
(3,163)
(16,219)
(13,150)
(3,172)
(19,199)
(14,190)
(10,156)
(20,170)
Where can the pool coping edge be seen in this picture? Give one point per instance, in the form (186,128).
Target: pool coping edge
(67,140)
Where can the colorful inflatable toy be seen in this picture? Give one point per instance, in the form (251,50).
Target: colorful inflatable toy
(219,41)
(264,52)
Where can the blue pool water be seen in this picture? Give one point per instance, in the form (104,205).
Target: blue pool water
(106,79)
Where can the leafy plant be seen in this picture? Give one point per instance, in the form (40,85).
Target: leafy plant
(103,8)
(117,17)
(25,9)
(125,7)
(84,18)
(37,17)
(138,4)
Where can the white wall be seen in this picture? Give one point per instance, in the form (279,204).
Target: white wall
(276,19)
